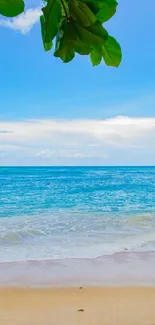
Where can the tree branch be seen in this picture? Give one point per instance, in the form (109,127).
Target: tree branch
(65,10)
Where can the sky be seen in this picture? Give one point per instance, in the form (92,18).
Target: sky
(53,113)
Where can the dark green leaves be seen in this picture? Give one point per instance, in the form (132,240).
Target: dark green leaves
(94,35)
(50,22)
(74,38)
(68,43)
(11,8)
(103,9)
(81,13)
(77,26)
(65,43)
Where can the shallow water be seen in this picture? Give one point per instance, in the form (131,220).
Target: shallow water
(71,225)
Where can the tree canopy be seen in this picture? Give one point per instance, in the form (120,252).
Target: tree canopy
(74,26)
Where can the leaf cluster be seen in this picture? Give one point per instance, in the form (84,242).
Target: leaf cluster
(74,26)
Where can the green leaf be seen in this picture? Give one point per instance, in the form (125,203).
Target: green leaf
(95,6)
(81,13)
(47,46)
(65,43)
(103,9)
(111,52)
(52,16)
(96,56)
(95,35)
(107,10)
(81,48)
(11,8)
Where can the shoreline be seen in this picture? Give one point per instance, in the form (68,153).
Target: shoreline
(119,269)
(86,306)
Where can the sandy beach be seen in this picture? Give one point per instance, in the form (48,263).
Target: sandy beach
(60,306)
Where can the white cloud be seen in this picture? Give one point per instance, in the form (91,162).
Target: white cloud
(59,153)
(23,22)
(119,140)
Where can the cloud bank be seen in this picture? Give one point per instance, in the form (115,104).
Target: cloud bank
(116,141)
(24,22)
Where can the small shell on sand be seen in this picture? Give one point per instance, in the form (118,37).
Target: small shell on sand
(81,309)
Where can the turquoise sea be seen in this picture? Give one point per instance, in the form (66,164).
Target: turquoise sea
(59,213)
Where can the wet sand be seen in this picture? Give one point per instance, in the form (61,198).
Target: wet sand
(59,306)
(121,269)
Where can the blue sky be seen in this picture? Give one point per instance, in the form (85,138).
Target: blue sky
(36,86)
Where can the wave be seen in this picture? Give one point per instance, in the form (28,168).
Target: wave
(18,236)
(37,243)
(79,235)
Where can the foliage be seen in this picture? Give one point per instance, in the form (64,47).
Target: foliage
(76,26)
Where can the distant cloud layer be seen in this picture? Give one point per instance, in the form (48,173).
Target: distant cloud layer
(119,140)
(23,22)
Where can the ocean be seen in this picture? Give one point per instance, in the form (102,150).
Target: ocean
(57,214)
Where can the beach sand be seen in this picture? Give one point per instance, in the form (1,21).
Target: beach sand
(59,306)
